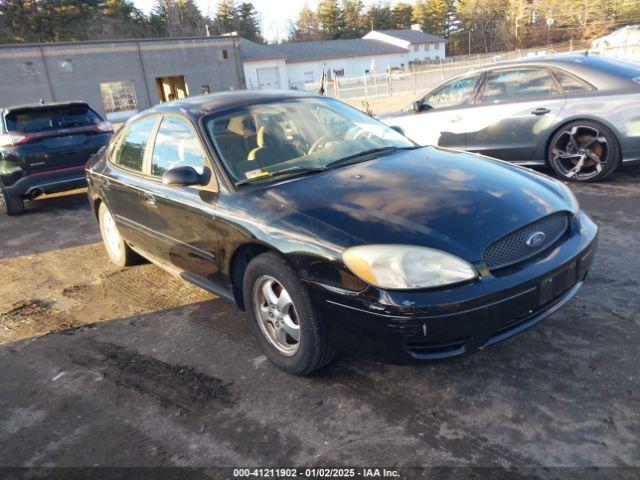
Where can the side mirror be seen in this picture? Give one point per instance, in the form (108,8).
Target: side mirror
(398,129)
(416,106)
(181,177)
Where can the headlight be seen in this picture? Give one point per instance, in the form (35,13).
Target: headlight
(405,267)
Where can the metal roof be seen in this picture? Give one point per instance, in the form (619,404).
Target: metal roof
(412,36)
(325,49)
(254,51)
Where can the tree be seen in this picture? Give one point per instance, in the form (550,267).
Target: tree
(177,18)
(330,18)
(379,17)
(354,19)
(226,16)
(434,16)
(248,23)
(401,15)
(306,27)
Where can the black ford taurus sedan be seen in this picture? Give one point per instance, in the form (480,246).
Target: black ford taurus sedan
(334,231)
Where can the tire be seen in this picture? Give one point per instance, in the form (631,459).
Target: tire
(10,205)
(311,351)
(584,151)
(119,252)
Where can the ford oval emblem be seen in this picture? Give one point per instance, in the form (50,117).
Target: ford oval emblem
(535,239)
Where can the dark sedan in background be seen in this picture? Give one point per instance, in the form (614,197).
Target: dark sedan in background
(334,231)
(578,114)
(44,148)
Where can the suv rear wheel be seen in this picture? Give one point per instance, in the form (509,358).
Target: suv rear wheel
(119,252)
(287,327)
(10,205)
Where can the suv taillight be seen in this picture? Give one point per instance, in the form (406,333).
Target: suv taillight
(105,127)
(11,138)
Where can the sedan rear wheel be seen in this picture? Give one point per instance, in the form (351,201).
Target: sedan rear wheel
(10,205)
(584,151)
(286,325)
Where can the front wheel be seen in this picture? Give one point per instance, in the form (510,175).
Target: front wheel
(286,325)
(584,151)
(119,252)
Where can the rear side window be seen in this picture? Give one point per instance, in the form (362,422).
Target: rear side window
(130,154)
(570,84)
(176,146)
(517,85)
(47,119)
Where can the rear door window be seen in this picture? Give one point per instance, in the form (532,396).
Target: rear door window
(50,119)
(130,153)
(571,84)
(176,146)
(518,85)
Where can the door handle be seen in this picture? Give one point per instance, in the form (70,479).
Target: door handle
(149,199)
(541,111)
(455,119)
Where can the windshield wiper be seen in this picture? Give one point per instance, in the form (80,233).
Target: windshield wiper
(364,153)
(277,173)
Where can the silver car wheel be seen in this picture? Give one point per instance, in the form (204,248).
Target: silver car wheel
(111,234)
(580,153)
(276,315)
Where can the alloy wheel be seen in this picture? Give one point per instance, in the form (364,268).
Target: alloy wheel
(580,153)
(276,315)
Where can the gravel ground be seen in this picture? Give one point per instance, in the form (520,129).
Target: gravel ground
(133,367)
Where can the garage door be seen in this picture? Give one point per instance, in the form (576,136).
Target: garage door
(268,78)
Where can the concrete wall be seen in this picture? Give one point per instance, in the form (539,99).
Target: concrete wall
(31,72)
(251,68)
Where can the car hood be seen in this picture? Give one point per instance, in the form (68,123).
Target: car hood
(454,201)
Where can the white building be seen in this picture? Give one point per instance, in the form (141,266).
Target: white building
(421,46)
(292,65)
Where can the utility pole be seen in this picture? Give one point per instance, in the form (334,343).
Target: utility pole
(469,42)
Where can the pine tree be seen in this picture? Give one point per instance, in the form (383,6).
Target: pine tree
(330,18)
(248,23)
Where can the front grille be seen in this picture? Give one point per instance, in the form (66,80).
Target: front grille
(513,248)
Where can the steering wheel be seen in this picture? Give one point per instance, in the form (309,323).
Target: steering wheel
(362,133)
(322,141)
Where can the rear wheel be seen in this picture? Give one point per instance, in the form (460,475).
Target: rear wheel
(286,325)
(119,252)
(10,205)
(584,151)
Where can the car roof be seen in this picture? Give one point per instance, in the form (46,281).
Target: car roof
(201,105)
(604,72)
(43,106)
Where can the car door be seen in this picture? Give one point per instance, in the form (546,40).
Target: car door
(182,218)
(515,108)
(124,186)
(439,115)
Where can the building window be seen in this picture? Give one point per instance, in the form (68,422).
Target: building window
(118,96)
(224,54)
(66,66)
(338,72)
(416,47)
(427,47)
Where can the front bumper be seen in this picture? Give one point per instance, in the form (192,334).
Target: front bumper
(435,325)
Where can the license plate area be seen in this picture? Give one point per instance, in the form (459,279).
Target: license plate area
(558,283)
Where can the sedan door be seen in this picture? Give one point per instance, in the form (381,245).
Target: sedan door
(516,107)
(182,218)
(123,187)
(440,114)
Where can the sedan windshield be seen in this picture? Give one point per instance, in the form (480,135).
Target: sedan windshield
(296,136)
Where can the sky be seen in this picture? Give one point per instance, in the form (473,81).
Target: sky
(275,14)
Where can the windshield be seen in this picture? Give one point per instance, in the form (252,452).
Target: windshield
(295,135)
